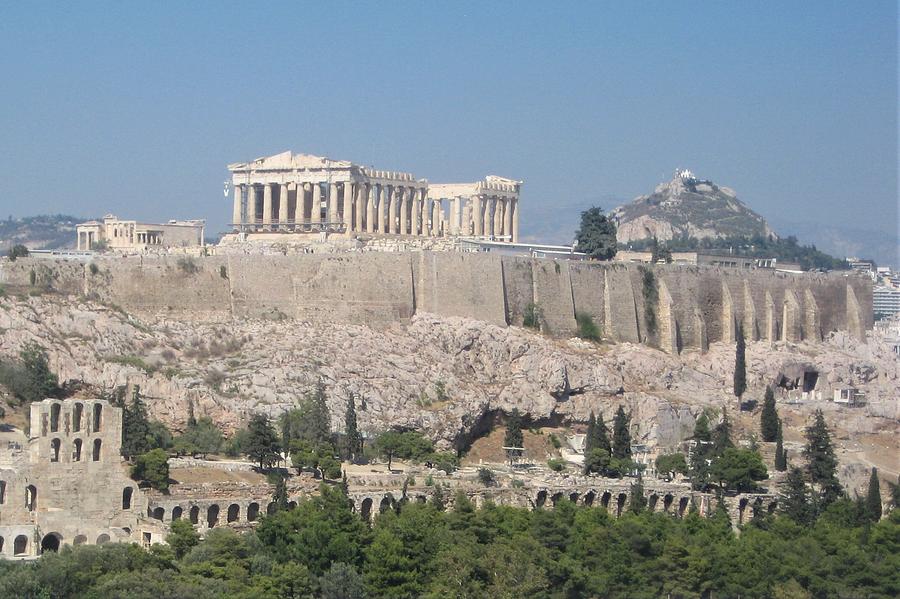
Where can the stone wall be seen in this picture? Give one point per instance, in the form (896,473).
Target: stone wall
(695,305)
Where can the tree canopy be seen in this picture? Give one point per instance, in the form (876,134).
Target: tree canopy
(596,236)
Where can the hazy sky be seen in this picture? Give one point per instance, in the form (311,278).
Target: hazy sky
(136,108)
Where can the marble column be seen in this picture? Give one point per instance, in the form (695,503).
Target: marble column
(361,198)
(333,203)
(315,216)
(466,225)
(507,217)
(237,215)
(414,225)
(393,201)
(487,221)
(302,202)
(436,214)
(498,216)
(267,205)
(404,209)
(476,215)
(347,204)
(370,208)
(515,220)
(252,200)
(283,217)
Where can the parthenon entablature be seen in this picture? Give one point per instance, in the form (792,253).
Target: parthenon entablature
(302,193)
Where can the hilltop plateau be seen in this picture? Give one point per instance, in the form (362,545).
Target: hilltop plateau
(687,207)
(453,378)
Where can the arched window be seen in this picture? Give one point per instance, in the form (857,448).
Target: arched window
(20,546)
(54,418)
(176,512)
(104,538)
(212,515)
(98,414)
(96,454)
(159,513)
(1,545)
(126,498)
(54,450)
(50,542)
(252,512)
(79,540)
(234,511)
(30,498)
(77,414)
(76,450)
(194,515)
(2,492)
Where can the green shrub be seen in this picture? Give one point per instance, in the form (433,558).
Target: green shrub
(587,329)
(152,467)
(532,316)
(223,272)
(30,379)
(651,298)
(486,476)
(556,464)
(188,266)
(17,251)
(93,268)
(554,441)
(135,361)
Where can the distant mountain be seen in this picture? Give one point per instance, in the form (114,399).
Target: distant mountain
(687,207)
(44,232)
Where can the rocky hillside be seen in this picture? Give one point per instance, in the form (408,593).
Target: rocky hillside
(449,377)
(45,232)
(687,207)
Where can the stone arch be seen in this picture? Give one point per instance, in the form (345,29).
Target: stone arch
(588,498)
(54,420)
(31,497)
(159,513)
(51,542)
(20,545)
(652,501)
(271,508)
(573,497)
(291,505)
(194,514)
(95,455)
(76,450)
(2,492)
(1,545)
(127,494)
(234,511)
(177,512)
(77,415)
(540,499)
(252,512)
(773,506)
(102,539)
(421,499)
(605,499)
(620,503)
(96,417)
(667,502)
(365,509)
(556,498)
(682,506)
(79,540)
(55,445)
(212,515)
(387,502)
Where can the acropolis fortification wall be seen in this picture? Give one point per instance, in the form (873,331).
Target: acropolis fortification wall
(672,307)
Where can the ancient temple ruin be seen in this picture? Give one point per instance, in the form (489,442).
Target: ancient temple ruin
(301,193)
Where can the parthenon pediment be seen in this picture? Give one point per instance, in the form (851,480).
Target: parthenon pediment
(289,160)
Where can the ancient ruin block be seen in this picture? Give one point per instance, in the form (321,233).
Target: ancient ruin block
(791,319)
(812,328)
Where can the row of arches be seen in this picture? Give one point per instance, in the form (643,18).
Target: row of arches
(50,542)
(77,444)
(212,515)
(77,417)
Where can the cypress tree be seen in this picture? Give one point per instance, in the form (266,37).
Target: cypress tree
(621,446)
(780,454)
(819,453)
(873,497)
(636,499)
(795,502)
(590,437)
(354,438)
(701,428)
(740,364)
(721,436)
(701,453)
(136,437)
(514,437)
(768,419)
(602,436)
(262,441)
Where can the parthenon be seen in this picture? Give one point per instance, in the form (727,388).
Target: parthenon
(301,193)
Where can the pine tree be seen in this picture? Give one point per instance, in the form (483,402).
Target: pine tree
(621,445)
(780,454)
(437,498)
(701,453)
(768,420)
(321,418)
(191,421)
(136,437)
(873,497)
(795,501)
(262,441)
(740,364)
(280,495)
(601,439)
(819,453)
(701,428)
(351,430)
(637,501)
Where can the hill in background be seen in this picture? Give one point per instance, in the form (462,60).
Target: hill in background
(44,232)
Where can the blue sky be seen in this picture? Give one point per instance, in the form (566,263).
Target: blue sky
(136,108)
